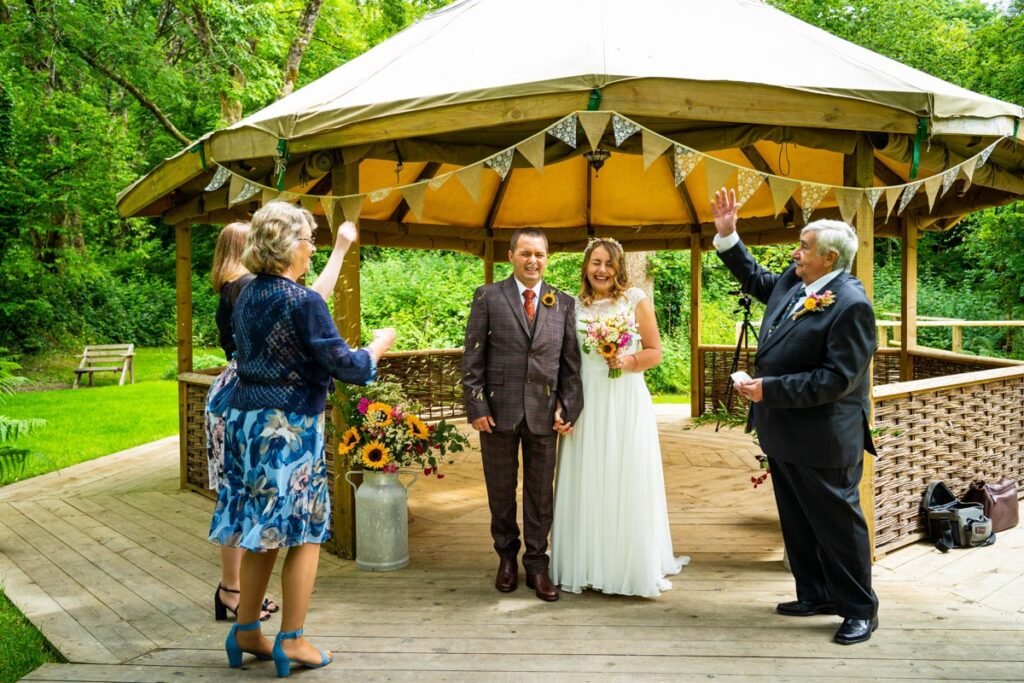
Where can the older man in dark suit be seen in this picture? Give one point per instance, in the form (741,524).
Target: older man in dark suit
(521,379)
(810,406)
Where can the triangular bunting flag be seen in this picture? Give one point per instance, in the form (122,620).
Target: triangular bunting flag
(269,195)
(380,195)
(746,184)
(931,188)
(565,130)
(967,170)
(309,202)
(471,177)
(219,178)
(873,193)
(986,153)
(623,129)
(782,189)
(849,201)
(654,146)
(327,202)
(289,197)
(242,190)
(811,195)
(532,150)
(594,124)
(892,195)
(948,178)
(718,174)
(352,207)
(501,162)
(684,160)
(907,195)
(413,195)
(437,181)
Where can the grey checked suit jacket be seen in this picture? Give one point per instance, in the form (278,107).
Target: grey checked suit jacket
(511,372)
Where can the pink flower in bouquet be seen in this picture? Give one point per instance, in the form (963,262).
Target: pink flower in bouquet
(607,336)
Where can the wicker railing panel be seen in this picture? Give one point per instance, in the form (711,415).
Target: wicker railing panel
(431,378)
(886,368)
(717,364)
(956,435)
(197,472)
(926,367)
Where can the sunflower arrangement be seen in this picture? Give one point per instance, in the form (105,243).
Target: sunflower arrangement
(384,433)
(607,335)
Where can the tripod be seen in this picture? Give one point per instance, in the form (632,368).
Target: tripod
(742,343)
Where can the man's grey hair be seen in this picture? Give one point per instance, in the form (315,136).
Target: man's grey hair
(834,236)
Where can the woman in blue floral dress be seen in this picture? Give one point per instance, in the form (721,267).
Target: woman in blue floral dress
(275,493)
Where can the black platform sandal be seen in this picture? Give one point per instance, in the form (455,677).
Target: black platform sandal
(220,610)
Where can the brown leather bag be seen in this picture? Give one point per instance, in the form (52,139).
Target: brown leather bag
(999,499)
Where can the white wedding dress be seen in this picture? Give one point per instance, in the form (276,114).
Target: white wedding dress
(610,530)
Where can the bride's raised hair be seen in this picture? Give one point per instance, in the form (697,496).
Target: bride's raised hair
(618,261)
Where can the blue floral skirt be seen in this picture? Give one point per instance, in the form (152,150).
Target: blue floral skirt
(216,416)
(274,492)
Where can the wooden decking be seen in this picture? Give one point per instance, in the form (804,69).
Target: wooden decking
(109,560)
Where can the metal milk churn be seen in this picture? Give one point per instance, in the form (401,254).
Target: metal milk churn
(382,524)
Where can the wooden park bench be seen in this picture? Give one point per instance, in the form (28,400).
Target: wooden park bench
(107,358)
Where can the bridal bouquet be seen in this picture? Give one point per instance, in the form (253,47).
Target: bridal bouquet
(607,336)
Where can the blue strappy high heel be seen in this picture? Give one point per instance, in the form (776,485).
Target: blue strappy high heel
(284,663)
(235,650)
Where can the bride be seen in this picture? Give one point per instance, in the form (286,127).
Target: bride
(610,530)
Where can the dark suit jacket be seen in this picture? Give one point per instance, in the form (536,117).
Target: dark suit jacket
(509,373)
(815,369)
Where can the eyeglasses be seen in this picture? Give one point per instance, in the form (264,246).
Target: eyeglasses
(310,239)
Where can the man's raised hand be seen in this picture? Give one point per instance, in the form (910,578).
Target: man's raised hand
(725,209)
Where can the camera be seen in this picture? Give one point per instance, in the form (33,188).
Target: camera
(744,301)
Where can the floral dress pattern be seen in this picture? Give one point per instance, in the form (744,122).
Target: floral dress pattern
(275,490)
(216,416)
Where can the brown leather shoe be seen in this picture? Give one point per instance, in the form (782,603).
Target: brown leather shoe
(508,575)
(542,586)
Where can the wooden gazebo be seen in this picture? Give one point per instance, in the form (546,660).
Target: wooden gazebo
(617,120)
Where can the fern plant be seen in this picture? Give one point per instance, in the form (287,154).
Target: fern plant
(13,457)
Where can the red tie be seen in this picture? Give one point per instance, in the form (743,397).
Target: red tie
(528,295)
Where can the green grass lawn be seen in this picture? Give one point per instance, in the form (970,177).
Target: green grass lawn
(90,422)
(22,647)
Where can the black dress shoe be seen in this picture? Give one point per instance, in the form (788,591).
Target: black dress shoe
(508,575)
(542,586)
(802,608)
(855,630)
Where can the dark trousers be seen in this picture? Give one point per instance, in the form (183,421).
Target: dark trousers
(500,452)
(826,536)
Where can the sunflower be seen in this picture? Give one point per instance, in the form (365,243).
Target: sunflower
(375,456)
(348,441)
(810,303)
(417,428)
(608,349)
(548,299)
(378,414)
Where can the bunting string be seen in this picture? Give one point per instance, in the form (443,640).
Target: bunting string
(683,161)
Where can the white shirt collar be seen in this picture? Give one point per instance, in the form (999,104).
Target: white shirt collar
(522,288)
(817,285)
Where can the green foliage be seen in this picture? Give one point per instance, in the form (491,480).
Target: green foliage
(13,456)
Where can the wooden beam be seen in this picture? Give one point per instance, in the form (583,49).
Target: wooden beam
(760,164)
(696,370)
(499,198)
(908,300)
(859,171)
(885,174)
(183,286)
(345,181)
(684,194)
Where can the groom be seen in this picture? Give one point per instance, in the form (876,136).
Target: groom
(809,405)
(521,380)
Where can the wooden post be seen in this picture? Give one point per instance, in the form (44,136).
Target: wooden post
(859,171)
(908,300)
(958,339)
(489,260)
(696,367)
(345,180)
(183,286)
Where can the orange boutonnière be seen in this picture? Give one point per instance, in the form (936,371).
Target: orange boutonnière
(816,303)
(548,299)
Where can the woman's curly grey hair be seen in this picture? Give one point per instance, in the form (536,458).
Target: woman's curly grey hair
(273,237)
